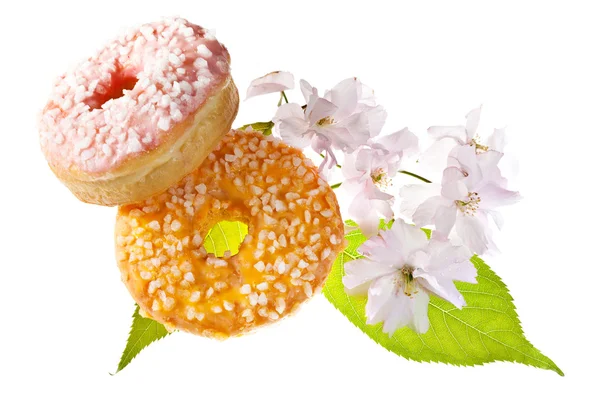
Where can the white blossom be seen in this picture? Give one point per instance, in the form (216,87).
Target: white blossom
(368,172)
(467,134)
(345,118)
(400,270)
(470,192)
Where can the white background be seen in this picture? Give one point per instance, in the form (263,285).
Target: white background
(535,67)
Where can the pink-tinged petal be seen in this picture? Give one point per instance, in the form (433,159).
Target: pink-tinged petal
(455,190)
(425,213)
(452,174)
(435,159)
(493,196)
(289,110)
(382,248)
(462,271)
(418,260)
(363,271)
(352,186)
(376,117)
(367,96)
(444,254)
(384,197)
(449,262)
(388,305)
(443,288)
(472,123)
(492,248)
(345,96)
(399,313)
(379,301)
(390,164)
(367,211)
(453,185)
(412,196)
(420,307)
(276,81)
(496,217)
(410,238)
(404,142)
(307,90)
(368,223)
(291,125)
(350,169)
(318,108)
(357,131)
(488,162)
(288,131)
(489,158)
(291,131)
(456,133)
(320,143)
(497,141)
(367,219)
(468,163)
(471,231)
(364,160)
(445,218)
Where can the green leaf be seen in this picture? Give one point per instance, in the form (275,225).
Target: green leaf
(143,332)
(265,127)
(225,235)
(486,330)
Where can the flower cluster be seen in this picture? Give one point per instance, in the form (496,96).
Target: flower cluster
(400,267)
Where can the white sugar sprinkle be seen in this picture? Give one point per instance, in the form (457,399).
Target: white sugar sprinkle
(253,298)
(245,289)
(201,188)
(227,305)
(189,277)
(280,286)
(195,296)
(327,213)
(203,51)
(260,266)
(307,289)
(262,299)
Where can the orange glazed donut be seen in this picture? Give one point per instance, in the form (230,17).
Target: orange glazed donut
(141,114)
(294,235)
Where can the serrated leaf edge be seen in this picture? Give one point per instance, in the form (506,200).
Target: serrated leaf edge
(479,263)
(125,355)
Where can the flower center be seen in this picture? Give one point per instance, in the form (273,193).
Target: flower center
(479,148)
(470,206)
(325,121)
(406,281)
(381,179)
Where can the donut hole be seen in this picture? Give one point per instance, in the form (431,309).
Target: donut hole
(121,81)
(225,236)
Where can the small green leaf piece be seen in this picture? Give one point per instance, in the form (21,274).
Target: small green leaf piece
(143,332)
(265,127)
(486,330)
(225,235)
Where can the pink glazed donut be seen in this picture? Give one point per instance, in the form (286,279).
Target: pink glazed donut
(141,114)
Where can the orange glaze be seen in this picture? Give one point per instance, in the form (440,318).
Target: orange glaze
(294,234)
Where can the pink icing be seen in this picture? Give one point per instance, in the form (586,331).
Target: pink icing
(124,100)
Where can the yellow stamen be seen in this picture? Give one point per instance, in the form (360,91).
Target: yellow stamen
(470,206)
(325,121)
